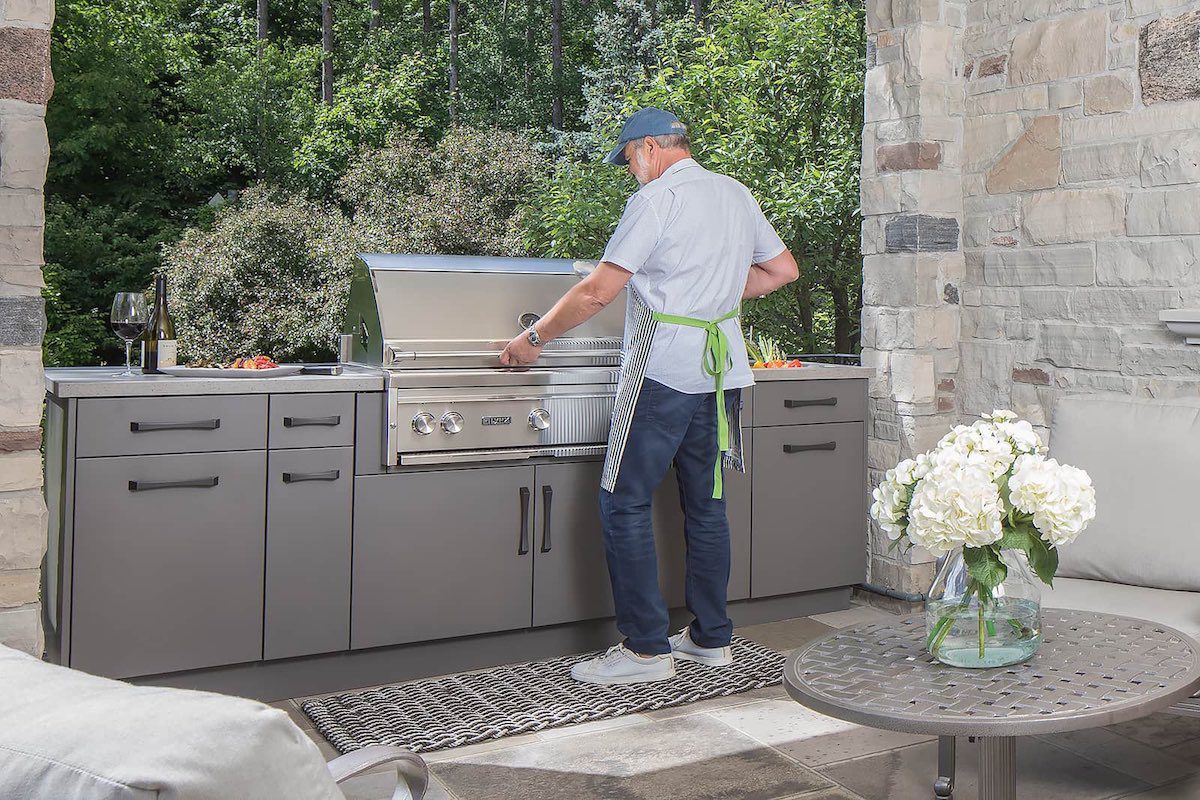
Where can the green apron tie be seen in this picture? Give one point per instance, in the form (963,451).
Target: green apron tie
(715,361)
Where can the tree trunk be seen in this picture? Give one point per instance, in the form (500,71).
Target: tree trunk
(804,311)
(698,10)
(373,22)
(327,52)
(528,48)
(843,324)
(264,19)
(426,17)
(503,51)
(556,63)
(454,60)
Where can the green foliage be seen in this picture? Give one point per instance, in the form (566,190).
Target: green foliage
(272,276)
(463,196)
(576,209)
(986,567)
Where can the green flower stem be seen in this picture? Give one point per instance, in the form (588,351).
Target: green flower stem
(982,627)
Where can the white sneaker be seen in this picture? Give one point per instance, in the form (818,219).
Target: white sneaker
(684,649)
(622,665)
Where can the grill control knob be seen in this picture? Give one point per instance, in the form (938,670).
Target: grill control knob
(422,423)
(452,422)
(539,419)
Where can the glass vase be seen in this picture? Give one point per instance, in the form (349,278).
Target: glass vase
(967,625)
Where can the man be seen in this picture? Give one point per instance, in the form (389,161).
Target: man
(690,246)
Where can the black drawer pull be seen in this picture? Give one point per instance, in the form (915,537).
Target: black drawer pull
(800,448)
(824,401)
(547,496)
(298,477)
(300,422)
(194,483)
(523,545)
(192,425)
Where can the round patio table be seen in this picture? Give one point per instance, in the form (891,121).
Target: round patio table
(1091,670)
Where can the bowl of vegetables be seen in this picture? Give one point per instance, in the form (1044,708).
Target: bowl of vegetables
(767,353)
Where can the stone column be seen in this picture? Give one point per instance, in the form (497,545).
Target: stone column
(912,256)
(25,87)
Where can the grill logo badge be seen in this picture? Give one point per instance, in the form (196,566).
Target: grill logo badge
(496,420)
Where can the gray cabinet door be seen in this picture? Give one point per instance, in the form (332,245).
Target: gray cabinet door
(440,554)
(570,572)
(168,562)
(809,508)
(310,497)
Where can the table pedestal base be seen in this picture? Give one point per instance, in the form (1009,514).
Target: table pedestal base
(943,787)
(997,768)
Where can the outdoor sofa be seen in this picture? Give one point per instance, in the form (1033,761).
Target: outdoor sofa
(67,734)
(1141,555)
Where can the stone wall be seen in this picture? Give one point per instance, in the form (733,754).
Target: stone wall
(25,87)
(1073,129)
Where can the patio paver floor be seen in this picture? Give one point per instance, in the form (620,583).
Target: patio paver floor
(761,746)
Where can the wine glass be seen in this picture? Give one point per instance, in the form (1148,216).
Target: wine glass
(128,321)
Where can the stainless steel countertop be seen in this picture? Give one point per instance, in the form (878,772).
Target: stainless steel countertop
(67,382)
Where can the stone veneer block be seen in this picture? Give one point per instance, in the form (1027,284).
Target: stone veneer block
(1106,94)
(1038,377)
(25,65)
(1101,162)
(20,471)
(21,209)
(921,233)
(22,530)
(986,137)
(909,155)
(993,65)
(912,377)
(1170,211)
(22,391)
(1042,266)
(1073,215)
(20,245)
(1082,346)
(24,152)
(19,588)
(38,13)
(22,321)
(16,441)
(1062,48)
(1033,162)
(1148,262)
(1171,159)
(1169,59)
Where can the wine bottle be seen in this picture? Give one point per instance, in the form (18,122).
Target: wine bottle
(158,348)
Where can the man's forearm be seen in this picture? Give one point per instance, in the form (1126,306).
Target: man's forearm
(574,308)
(760,282)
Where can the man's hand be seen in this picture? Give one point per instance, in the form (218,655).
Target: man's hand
(519,351)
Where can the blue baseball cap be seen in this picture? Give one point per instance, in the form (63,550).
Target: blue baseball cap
(642,123)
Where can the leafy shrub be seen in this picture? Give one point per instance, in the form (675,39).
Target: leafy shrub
(272,276)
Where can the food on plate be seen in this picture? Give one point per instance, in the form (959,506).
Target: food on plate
(253,362)
(768,354)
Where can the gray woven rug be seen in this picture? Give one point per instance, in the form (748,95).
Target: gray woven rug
(437,713)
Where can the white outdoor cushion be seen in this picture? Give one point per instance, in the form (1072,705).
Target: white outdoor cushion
(1144,459)
(1179,610)
(67,734)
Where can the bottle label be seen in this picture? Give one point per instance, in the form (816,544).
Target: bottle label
(167,353)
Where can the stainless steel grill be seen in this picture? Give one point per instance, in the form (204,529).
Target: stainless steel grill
(437,324)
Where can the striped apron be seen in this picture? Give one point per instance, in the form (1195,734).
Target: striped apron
(644,322)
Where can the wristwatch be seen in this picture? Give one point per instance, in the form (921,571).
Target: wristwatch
(532,335)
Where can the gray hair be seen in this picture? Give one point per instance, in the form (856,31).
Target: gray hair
(671,141)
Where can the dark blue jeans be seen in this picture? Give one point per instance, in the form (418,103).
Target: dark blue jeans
(668,426)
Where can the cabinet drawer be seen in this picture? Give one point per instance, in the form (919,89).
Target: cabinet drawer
(311,420)
(809,508)
(128,426)
(168,562)
(796,402)
(310,495)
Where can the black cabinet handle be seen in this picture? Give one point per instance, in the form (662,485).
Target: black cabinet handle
(300,422)
(194,483)
(547,496)
(298,477)
(523,547)
(800,448)
(192,425)
(824,401)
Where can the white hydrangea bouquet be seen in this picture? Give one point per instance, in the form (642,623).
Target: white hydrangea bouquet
(985,488)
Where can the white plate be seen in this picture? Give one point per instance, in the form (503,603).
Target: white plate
(216,372)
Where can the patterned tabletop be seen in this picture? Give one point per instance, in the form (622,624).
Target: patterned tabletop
(1092,670)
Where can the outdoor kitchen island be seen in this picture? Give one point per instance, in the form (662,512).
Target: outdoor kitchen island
(425,512)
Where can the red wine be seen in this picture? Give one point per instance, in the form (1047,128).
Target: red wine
(128,330)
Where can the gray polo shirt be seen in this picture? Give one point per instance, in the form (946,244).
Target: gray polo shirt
(689,238)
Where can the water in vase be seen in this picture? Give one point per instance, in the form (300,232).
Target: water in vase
(1011,631)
